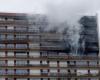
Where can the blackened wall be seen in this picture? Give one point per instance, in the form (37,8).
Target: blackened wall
(89,36)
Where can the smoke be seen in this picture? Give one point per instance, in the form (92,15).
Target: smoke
(70,10)
(61,12)
(66,14)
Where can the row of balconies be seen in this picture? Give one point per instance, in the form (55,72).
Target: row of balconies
(18,22)
(36,39)
(52,75)
(52,57)
(32,49)
(50,64)
(18,31)
(46,67)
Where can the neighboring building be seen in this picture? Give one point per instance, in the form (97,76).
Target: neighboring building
(29,53)
(89,36)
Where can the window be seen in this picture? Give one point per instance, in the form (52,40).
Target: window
(44,62)
(53,64)
(35,72)
(2,28)
(2,72)
(34,62)
(10,37)
(21,63)
(45,79)
(2,63)
(92,63)
(34,45)
(2,37)
(10,45)
(21,29)
(94,72)
(21,72)
(10,72)
(21,37)
(63,79)
(22,46)
(63,72)
(34,37)
(10,54)
(62,54)
(82,72)
(2,19)
(10,27)
(62,64)
(10,19)
(10,79)
(53,72)
(53,79)
(71,63)
(44,72)
(44,53)
(21,54)
(34,54)
(35,79)
(53,54)
(2,54)
(21,79)
(10,63)
(81,63)
(2,45)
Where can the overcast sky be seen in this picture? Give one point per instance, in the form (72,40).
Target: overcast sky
(41,6)
(57,9)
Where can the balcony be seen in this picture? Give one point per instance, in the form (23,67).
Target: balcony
(24,76)
(73,58)
(18,31)
(53,58)
(32,67)
(15,22)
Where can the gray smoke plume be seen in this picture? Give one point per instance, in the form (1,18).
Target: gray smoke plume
(70,11)
(64,14)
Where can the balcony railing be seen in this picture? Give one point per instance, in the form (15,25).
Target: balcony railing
(19,31)
(55,57)
(19,22)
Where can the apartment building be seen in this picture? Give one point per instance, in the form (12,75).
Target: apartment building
(26,53)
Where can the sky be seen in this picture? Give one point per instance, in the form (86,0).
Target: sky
(57,10)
